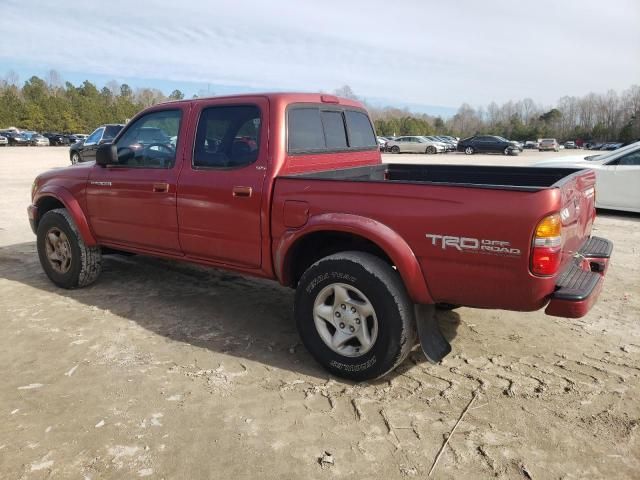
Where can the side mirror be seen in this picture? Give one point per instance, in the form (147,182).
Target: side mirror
(107,154)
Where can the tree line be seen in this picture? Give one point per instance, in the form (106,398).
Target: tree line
(50,104)
(599,117)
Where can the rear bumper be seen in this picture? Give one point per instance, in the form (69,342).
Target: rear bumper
(578,287)
(32,211)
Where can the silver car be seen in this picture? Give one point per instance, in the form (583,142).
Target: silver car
(3,141)
(414,144)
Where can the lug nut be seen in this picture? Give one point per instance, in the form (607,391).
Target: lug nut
(358,321)
(353,309)
(351,329)
(338,314)
(341,325)
(343,306)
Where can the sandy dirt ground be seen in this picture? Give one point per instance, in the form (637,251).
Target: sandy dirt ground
(165,370)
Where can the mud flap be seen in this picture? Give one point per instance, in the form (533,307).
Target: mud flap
(433,343)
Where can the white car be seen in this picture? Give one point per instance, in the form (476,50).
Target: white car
(3,141)
(617,176)
(414,144)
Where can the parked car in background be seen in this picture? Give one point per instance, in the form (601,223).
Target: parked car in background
(415,144)
(611,146)
(38,140)
(17,139)
(3,141)
(56,139)
(76,137)
(450,146)
(593,145)
(617,176)
(549,144)
(85,150)
(530,144)
(488,144)
(570,145)
(382,143)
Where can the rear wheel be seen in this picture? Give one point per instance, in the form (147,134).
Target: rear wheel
(64,257)
(469,151)
(431,150)
(354,315)
(395,149)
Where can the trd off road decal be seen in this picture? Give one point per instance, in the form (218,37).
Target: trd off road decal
(474,245)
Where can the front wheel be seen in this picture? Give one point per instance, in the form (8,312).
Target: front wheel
(469,150)
(431,150)
(75,158)
(395,149)
(64,257)
(354,315)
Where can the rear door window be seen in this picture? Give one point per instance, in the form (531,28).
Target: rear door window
(227,137)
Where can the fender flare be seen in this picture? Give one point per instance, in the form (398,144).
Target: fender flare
(73,207)
(380,234)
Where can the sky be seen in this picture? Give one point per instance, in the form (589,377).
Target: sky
(425,55)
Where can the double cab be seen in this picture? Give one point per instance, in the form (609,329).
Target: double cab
(291,187)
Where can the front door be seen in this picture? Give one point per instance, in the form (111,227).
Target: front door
(220,186)
(133,203)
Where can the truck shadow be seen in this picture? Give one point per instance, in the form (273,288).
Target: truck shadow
(207,308)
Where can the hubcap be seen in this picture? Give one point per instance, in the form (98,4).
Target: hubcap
(58,250)
(345,320)
(469,150)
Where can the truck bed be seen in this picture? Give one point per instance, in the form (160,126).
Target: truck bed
(474,203)
(510,178)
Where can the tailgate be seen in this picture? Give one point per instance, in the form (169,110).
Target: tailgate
(577,211)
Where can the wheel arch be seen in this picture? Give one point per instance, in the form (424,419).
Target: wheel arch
(327,234)
(50,198)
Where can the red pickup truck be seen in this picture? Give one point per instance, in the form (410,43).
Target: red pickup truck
(291,187)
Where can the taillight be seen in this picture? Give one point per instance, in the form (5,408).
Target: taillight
(547,246)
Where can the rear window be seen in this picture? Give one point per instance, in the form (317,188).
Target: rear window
(312,129)
(360,130)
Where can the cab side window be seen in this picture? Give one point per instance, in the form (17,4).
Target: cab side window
(227,137)
(151,141)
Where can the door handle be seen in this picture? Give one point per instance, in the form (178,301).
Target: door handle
(161,187)
(242,191)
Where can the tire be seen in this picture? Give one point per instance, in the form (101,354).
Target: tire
(507,151)
(431,150)
(75,158)
(78,265)
(368,281)
(469,150)
(395,149)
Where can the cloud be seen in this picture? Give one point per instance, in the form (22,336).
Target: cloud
(410,52)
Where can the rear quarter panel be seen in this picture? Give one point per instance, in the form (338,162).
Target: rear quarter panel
(464,277)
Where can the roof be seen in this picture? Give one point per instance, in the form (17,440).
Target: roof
(287,97)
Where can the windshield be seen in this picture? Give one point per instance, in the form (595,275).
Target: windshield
(606,156)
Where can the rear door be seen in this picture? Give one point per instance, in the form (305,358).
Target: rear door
(220,187)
